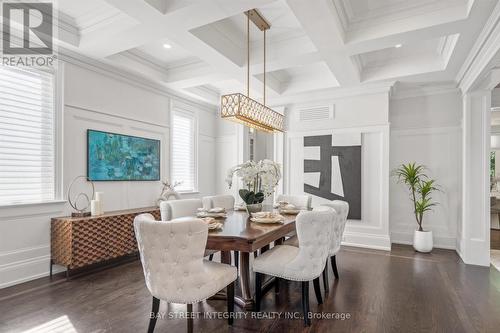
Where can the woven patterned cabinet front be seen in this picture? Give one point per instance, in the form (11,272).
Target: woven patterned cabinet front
(78,242)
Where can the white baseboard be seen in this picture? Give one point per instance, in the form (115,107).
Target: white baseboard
(475,252)
(25,265)
(368,241)
(440,242)
(24,271)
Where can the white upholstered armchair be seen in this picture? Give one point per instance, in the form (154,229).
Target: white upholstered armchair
(174,269)
(304,263)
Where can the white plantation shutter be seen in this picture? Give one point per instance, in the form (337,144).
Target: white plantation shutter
(183,151)
(27,158)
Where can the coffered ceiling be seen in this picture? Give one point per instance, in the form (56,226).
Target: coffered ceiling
(198,47)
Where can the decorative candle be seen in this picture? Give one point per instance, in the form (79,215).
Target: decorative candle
(95,207)
(99,197)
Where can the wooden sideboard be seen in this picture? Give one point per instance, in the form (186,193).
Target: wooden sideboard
(77,242)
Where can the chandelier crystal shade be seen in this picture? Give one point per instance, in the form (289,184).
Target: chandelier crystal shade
(243,109)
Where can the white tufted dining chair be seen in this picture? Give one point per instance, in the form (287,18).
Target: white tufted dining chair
(179,208)
(170,210)
(341,209)
(223,201)
(299,201)
(174,269)
(304,263)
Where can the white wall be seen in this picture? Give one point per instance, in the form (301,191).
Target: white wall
(426,130)
(368,115)
(93,99)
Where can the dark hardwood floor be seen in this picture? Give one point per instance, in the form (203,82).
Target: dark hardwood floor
(401,291)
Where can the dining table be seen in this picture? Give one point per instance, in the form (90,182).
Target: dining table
(238,233)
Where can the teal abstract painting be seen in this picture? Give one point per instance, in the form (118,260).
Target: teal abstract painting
(113,156)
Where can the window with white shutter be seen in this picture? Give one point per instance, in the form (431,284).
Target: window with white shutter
(184,151)
(27,134)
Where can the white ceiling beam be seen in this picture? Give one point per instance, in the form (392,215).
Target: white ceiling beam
(293,60)
(176,28)
(324,29)
(153,25)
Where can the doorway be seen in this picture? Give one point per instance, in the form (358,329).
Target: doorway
(495,178)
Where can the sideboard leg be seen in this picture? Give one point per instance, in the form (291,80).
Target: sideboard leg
(50,270)
(67,273)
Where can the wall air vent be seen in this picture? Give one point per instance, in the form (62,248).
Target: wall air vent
(317,113)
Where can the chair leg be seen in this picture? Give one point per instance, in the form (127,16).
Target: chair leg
(230,302)
(305,302)
(258,291)
(334,267)
(326,282)
(317,290)
(210,257)
(237,259)
(277,285)
(190,318)
(154,314)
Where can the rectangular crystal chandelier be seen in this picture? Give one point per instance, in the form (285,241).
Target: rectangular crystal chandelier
(249,112)
(243,109)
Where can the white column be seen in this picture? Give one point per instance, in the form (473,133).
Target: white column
(473,241)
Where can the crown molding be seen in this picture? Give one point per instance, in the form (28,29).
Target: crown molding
(100,67)
(334,93)
(482,52)
(423,90)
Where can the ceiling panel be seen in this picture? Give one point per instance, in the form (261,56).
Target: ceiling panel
(166,57)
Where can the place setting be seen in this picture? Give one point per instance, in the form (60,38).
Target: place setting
(212,223)
(267,217)
(216,213)
(287,208)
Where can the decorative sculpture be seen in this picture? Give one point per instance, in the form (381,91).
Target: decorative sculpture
(168,192)
(81,201)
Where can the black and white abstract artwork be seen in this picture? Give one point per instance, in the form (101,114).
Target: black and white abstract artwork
(332,169)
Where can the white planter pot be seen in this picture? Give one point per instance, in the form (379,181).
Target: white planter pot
(422,241)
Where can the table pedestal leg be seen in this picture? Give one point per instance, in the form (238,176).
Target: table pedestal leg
(246,301)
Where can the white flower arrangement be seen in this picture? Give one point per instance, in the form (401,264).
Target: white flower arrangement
(260,179)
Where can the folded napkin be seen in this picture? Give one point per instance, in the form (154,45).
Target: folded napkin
(208,220)
(261,215)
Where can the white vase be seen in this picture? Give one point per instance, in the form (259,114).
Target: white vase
(422,241)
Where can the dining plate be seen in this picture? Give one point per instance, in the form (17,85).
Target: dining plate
(290,211)
(215,226)
(214,215)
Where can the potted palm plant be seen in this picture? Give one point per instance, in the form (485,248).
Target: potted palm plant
(421,187)
(258,178)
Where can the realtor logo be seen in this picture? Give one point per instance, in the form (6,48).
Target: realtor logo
(27,33)
(36,24)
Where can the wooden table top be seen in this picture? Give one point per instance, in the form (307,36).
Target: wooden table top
(240,234)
